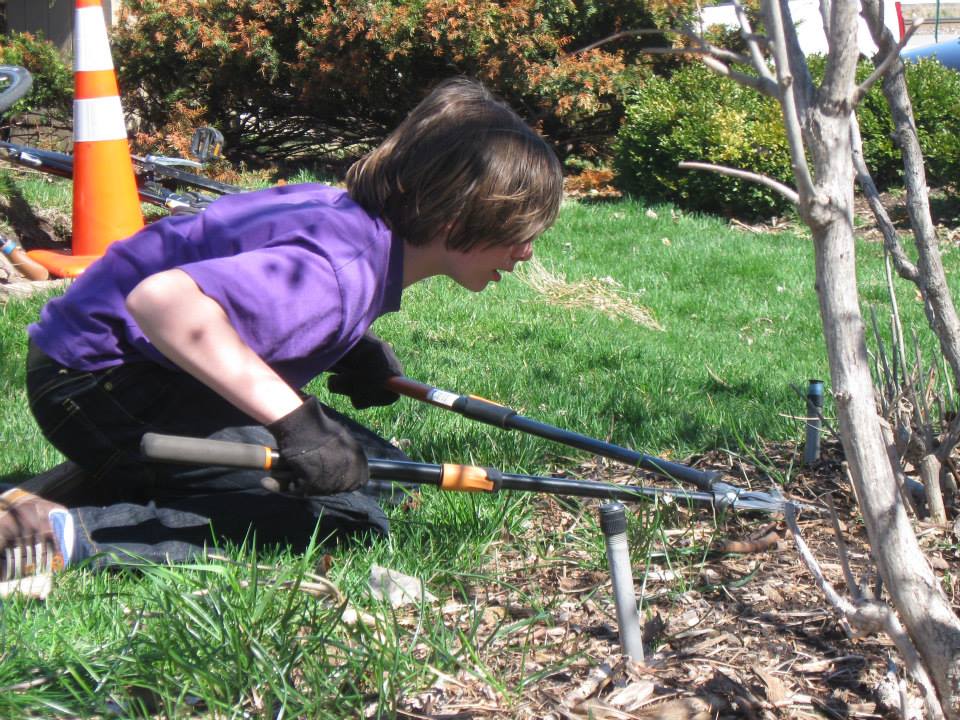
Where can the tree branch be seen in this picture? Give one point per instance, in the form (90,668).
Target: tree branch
(848,577)
(803,88)
(867,617)
(784,190)
(761,85)
(700,47)
(880,70)
(948,443)
(891,240)
(746,32)
(788,103)
(938,301)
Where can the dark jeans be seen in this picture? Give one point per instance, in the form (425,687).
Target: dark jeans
(130,507)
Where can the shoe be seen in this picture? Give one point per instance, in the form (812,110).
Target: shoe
(36,535)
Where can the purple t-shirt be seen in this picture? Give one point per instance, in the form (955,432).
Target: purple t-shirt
(301,271)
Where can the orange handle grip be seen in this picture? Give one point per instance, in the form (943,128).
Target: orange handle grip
(465,478)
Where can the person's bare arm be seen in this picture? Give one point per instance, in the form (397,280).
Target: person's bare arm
(194,333)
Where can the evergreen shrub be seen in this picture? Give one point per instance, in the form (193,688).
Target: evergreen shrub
(935,96)
(52,89)
(694,114)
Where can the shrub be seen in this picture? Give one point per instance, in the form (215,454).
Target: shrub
(935,96)
(52,89)
(284,78)
(694,114)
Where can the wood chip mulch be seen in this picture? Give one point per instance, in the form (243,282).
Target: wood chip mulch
(726,634)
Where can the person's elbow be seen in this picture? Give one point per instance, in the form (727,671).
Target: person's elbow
(158,295)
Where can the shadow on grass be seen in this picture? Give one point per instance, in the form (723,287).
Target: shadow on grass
(945,208)
(32,231)
(15,478)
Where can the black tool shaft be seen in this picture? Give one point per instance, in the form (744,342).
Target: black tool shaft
(487,411)
(201,451)
(684,473)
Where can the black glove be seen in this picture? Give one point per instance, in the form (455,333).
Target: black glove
(360,373)
(319,455)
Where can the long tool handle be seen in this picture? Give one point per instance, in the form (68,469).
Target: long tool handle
(201,451)
(451,477)
(478,408)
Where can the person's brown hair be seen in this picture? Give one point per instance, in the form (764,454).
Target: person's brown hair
(462,167)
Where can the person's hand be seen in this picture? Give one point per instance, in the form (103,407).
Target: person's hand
(319,455)
(361,373)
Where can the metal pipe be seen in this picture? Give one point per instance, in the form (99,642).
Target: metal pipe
(613,522)
(811,449)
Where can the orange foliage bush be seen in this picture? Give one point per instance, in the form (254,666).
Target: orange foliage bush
(287,78)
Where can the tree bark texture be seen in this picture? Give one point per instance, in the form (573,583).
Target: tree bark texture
(913,588)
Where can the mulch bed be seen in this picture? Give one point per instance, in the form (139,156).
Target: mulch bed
(727,634)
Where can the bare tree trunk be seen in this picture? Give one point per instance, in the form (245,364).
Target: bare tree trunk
(820,127)
(912,585)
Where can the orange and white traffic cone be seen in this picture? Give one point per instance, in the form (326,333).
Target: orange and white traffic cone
(106,206)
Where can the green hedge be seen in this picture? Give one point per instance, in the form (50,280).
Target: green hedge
(694,114)
(697,115)
(52,89)
(935,96)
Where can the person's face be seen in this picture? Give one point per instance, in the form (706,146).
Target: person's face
(476,267)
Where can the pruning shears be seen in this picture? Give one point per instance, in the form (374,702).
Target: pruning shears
(449,477)
(722,494)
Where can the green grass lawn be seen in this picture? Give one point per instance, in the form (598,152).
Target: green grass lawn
(740,326)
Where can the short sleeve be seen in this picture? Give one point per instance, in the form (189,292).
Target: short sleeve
(284,301)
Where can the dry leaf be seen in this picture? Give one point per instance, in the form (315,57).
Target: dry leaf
(631,696)
(597,679)
(396,588)
(777,692)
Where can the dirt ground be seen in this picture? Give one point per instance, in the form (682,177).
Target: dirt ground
(727,634)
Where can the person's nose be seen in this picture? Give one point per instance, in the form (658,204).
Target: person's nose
(522,252)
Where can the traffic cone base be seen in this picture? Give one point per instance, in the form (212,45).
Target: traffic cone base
(63,264)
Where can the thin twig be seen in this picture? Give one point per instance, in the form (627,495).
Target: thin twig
(761,85)
(746,32)
(842,550)
(895,681)
(880,70)
(867,616)
(788,103)
(950,441)
(903,482)
(888,380)
(891,242)
(896,326)
(787,192)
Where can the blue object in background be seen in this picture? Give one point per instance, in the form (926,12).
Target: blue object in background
(947,53)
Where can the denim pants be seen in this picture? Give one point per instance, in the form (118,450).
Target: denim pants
(130,508)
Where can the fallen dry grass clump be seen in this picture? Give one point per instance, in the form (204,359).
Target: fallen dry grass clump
(604,295)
